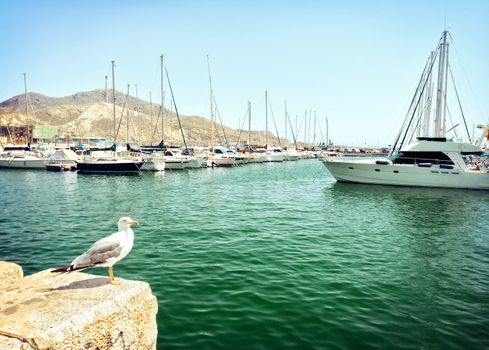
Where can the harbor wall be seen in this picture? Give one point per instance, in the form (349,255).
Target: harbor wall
(74,311)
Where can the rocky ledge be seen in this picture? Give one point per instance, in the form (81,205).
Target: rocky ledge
(74,311)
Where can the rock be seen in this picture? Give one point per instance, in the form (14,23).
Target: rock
(9,273)
(77,311)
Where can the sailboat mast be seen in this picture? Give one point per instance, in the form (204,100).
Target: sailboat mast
(314,131)
(113,97)
(327,133)
(150,109)
(162,102)
(137,108)
(127,119)
(441,87)
(266,119)
(27,109)
(249,126)
(106,95)
(285,117)
(211,101)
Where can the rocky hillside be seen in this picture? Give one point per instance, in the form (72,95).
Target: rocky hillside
(88,114)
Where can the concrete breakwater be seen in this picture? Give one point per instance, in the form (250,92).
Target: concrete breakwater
(74,311)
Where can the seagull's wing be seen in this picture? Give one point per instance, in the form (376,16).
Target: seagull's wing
(98,253)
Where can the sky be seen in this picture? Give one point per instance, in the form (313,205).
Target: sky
(356,63)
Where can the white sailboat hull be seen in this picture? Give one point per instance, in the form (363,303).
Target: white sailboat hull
(175,164)
(153,164)
(275,157)
(368,172)
(23,163)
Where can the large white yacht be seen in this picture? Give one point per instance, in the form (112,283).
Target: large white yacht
(423,161)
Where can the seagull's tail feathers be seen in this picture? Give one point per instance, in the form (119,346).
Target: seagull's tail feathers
(68,268)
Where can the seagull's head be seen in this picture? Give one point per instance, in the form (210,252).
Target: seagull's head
(126,222)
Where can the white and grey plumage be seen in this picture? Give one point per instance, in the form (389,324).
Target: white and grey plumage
(106,251)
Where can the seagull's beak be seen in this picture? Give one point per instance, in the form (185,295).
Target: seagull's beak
(135,222)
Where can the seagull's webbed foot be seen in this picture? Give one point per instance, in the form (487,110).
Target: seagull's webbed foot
(112,279)
(115,282)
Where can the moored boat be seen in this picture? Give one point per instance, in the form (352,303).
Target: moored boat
(22,160)
(109,165)
(422,161)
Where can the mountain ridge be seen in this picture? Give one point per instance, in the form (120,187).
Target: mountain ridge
(90,113)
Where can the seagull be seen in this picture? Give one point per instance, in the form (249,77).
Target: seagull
(106,251)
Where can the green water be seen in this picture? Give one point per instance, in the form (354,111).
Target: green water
(272,256)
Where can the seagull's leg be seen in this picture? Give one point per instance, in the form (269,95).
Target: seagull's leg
(111,277)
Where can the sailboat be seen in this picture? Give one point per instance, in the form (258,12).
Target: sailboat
(101,162)
(422,155)
(23,157)
(218,155)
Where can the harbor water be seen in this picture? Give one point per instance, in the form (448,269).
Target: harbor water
(271,256)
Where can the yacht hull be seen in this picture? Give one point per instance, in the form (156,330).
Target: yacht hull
(368,172)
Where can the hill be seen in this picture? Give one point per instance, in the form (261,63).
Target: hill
(89,113)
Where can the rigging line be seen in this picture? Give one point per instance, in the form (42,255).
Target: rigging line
(220,121)
(137,138)
(321,131)
(453,124)
(292,130)
(468,81)
(156,125)
(299,128)
(420,95)
(176,110)
(242,126)
(122,115)
(459,104)
(425,73)
(274,123)
(34,120)
(416,93)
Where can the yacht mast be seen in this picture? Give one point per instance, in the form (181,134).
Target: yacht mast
(428,100)
(441,88)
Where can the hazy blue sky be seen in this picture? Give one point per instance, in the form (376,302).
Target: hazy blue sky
(357,62)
